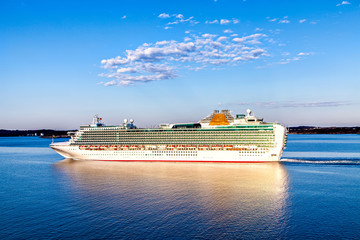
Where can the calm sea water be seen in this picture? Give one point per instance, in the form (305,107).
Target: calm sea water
(314,193)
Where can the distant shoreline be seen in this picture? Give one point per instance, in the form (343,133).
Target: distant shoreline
(323,130)
(49,133)
(43,133)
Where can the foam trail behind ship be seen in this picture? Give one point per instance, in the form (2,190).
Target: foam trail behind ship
(355,161)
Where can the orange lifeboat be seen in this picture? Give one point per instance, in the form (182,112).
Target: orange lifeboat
(217,147)
(191,147)
(203,147)
(169,147)
(228,147)
(133,147)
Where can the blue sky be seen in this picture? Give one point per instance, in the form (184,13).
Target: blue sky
(294,62)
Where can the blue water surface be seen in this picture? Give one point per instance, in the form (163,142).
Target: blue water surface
(313,193)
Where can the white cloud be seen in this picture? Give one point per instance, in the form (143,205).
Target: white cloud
(302,20)
(179,18)
(288,60)
(343,3)
(284,21)
(228,31)
(110,83)
(287,57)
(127,69)
(123,17)
(259,29)
(212,22)
(224,21)
(207,35)
(249,37)
(162,42)
(222,39)
(163,59)
(305,53)
(164,15)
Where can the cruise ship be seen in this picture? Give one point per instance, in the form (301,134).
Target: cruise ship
(219,137)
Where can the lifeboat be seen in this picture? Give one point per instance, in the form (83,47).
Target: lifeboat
(150,147)
(191,147)
(133,147)
(228,147)
(113,147)
(170,147)
(180,147)
(92,147)
(203,147)
(217,147)
(102,147)
(124,147)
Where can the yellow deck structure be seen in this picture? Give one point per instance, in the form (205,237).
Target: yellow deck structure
(219,119)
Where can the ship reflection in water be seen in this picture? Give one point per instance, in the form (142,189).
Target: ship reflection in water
(181,199)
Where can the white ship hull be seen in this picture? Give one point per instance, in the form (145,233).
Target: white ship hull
(75,153)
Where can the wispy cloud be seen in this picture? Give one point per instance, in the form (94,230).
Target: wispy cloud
(302,20)
(305,53)
(212,22)
(223,21)
(282,20)
(164,59)
(254,38)
(293,104)
(273,20)
(123,17)
(343,3)
(177,19)
(287,57)
(288,60)
(164,15)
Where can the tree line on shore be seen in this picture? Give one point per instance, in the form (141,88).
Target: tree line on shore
(50,133)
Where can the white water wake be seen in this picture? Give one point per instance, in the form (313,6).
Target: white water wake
(325,161)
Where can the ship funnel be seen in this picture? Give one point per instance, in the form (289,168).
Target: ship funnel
(248,111)
(125,121)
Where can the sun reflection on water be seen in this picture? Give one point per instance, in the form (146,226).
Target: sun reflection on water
(245,197)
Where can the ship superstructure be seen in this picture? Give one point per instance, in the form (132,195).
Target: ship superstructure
(219,137)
